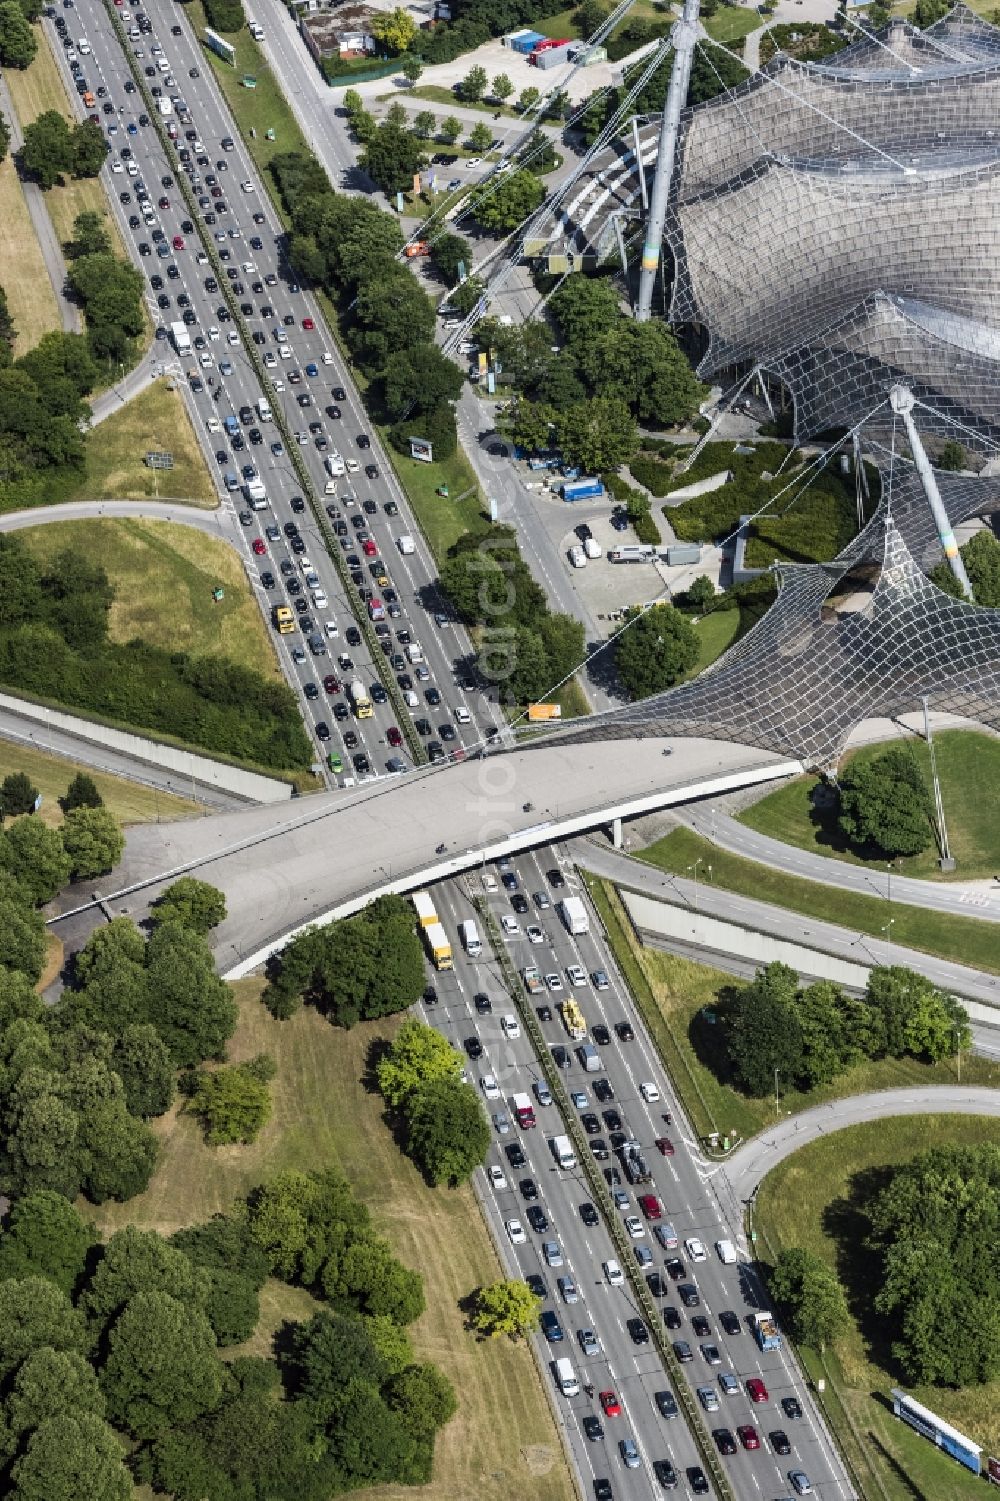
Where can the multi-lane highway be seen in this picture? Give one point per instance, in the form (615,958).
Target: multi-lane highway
(683,1182)
(308,380)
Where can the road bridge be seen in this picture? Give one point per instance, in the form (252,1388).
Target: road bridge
(324,857)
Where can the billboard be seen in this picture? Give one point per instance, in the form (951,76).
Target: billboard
(422,449)
(217,44)
(538,712)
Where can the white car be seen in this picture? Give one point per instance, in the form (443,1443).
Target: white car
(489,881)
(497,1178)
(474,161)
(510,925)
(269,360)
(534,934)
(246,187)
(327,357)
(232,337)
(489,1086)
(462,716)
(576,974)
(613,1274)
(213,333)
(117,167)
(515,1231)
(634,1226)
(553,982)
(695,1249)
(286,352)
(353,467)
(331,627)
(204,359)
(510,1026)
(649,1092)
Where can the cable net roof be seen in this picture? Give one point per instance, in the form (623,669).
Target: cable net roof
(837,223)
(866,635)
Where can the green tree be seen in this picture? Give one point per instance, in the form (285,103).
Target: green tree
(89,149)
(981,556)
(451,129)
(118,1152)
(810,1297)
(162,1370)
(395,29)
(473,85)
(527,99)
(424,122)
(423,1397)
(377,1282)
(44,1236)
(762,1031)
(48,142)
(506,203)
(34,1315)
(480,137)
(234,1104)
(952,456)
(391,314)
(827,1044)
(22,939)
(4,139)
(658,647)
(643,364)
(17,40)
(8,334)
(18,794)
(353,103)
(417,380)
(885,805)
(71,1455)
(466,297)
(447,1133)
(584,308)
(93,840)
(915,1017)
(81,793)
(90,237)
(391,158)
(501,88)
(508,1307)
(192,903)
(926,12)
(191,1008)
(49,1384)
(35,855)
(597,435)
(590,16)
(531,425)
(449,252)
(417,1054)
(143,1063)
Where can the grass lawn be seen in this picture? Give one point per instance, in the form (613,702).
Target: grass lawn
(129,801)
(435,93)
(715,633)
(969,770)
(963,939)
(502,1442)
(572,698)
(672,993)
(23,276)
(163,576)
(731,23)
(805,1202)
(263,108)
(443,519)
(156,419)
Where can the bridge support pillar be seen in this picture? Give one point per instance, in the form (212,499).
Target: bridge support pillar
(616,833)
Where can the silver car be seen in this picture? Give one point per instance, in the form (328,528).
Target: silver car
(552,1251)
(629,1450)
(567,1289)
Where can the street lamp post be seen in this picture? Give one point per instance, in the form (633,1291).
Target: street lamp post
(777,1099)
(887,931)
(694,868)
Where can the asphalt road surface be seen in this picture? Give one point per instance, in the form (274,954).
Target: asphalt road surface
(220,382)
(683,1182)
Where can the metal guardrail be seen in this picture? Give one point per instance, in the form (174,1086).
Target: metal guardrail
(601,1193)
(250,349)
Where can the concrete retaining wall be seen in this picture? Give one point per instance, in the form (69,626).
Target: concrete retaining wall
(247,784)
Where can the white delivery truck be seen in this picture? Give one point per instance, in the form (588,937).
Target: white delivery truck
(166,107)
(726,1252)
(592,548)
(264,409)
(181,337)
(562,1151)
(574,915)
(471,941)
(406,545)
(567,1380)
(414,652)
(255,492)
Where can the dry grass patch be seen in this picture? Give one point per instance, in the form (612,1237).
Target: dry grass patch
(23,276)
(163,575)
(502,1442)
(130,802)
(155,420)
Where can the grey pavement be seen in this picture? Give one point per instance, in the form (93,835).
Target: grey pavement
(220,523)
(845,943)
(48,240)
(746,1167)
(138,379)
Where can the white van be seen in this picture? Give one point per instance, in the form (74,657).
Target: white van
(567,1380)
(263,409)
(471,941)
(726,1252)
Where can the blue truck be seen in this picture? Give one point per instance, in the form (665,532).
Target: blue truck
(582,489)
(231,424)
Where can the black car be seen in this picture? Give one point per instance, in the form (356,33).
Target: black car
(671,1317)
(611,1119)
(338,393)
(556,878)
(515,1154)
(588,1213)
(529,1190)
(599,1148)
(724,1441)
(371,470)
(322,731)
(603,1491)
(537,1285)
(612,1177)
(625,1032)
(537,1218)
(544,1013)
(656,1285)
(730,1322)
(603,1090)
(267,579)
(638,1332)
(340,710)
(696,1480)
(362,765)
(593,1427)
(601,1035)
(352,636)
(667,1404)
(590,1123)
(683,1351)
(702,1328)
(778,1440)
(473,1047)
(791,1407)
(689,1295)
(665,1474)
(676,1270)
(560,1057)
(255,435)
(311,691)
(519,903)
(350,740)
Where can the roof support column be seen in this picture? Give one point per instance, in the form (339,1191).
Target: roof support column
(901,400)
(683,36)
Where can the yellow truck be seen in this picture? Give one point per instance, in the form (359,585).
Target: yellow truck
(573,1019)
(438,945)
(284,620)
(423,906)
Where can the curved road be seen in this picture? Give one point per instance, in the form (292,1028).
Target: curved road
(219,523)
(746,1167)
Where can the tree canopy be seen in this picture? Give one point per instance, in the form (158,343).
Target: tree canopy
(885,804)
(658,648)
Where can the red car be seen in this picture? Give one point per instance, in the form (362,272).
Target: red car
(756,1390)
(178,242)
(369,549)
(393,736)
(665,1146)
(650,1206)
(308,323)
(258,546)
(748,1436)
(612,1406)
(331,683)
